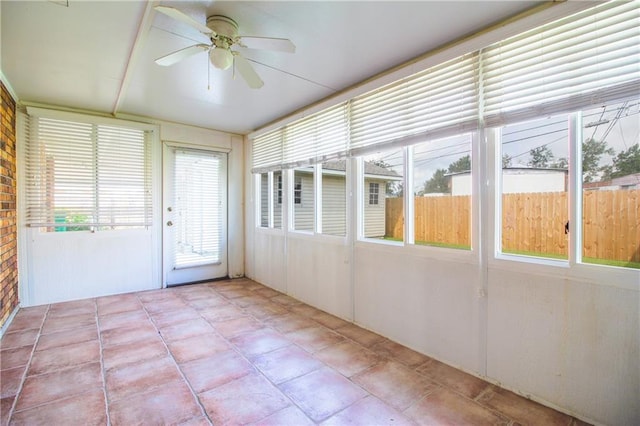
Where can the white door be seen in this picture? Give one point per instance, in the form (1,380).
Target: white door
(194,215)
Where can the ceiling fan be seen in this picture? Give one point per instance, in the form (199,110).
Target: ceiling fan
(223,34)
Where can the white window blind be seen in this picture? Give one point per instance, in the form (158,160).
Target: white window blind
(267,151)
(197,199)
(83,176)
(589,58)
(439,101)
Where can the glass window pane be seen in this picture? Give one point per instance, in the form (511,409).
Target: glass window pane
(442,192)
(277,200)
(303,199)
(534,178)
(611,185)
(264,200)
(334,198)
(383,202)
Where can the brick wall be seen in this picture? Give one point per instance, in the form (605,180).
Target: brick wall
(8,236)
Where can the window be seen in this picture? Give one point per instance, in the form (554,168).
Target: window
(274,211)
(534,187)
(374,191)
(279,188)
(334,198)
(264,199)
(277,196)
(85,176)
(611,184)
(303,199)
(442,191)
(383,200)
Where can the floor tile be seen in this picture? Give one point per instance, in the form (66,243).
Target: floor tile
(443,406)
(67,337)
(208,373)
(156,295)
(348,358)
(394,384)
(269,292)
(259,342)
(208,303)
(250,300)
(128,380)
(18,339)
(64,357)
(10,381)
(233,327)
(73,308)
(5,409)
(266,310)
(197,421)
(305,310)
(368,411)
(234,293)
(183,330)
(286,363)
(224,313)
(290,322)
(284,300)
(15,357)
(53,325)
(134,332)
(314,338)
(246,400)
(84,409)
(164,305)
(117,304)
(165,405)
(329,320)
(290,416)
(365,337)
(453,378)
(28,318)
(50,387)
(522,410)
(197,347)
(122,319)
(130,353)
(402,354)
(194,292)
(322,393)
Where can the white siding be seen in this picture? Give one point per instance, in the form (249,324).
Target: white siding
(334,205)
(303,212)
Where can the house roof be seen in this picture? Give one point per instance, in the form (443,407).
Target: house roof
(628,180)
(516,169)
(369,168)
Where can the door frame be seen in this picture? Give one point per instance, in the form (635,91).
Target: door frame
(166,145)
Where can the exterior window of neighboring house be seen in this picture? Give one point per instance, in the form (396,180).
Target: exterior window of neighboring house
(382,191)
(303,189)
(334,198)
(297,190)
(279,188)
(534,194)
(611,184)
(374,191)
(442,192)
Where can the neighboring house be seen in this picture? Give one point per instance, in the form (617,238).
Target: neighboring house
(631,181)
(334,193)
(516,180)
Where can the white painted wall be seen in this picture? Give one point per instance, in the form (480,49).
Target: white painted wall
(56,267)
(516,181)
(566,337)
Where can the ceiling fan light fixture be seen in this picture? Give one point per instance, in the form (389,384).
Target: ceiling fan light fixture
(221,58)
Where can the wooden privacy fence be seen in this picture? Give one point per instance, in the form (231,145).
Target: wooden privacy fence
(532,223)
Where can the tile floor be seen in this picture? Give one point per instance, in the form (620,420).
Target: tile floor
(230,352)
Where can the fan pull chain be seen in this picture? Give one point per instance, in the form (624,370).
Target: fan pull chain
(208,74)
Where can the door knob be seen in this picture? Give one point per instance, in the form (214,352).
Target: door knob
(169,223)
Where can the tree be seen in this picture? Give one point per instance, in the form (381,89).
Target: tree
(592,152)
(560,163)
(541,157)
(625,163)
(506,161)
(462,164)
(437,183)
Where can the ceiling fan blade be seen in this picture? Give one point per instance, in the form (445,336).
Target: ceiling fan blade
(268,43)
(181,54)
(247,72)
(177,15)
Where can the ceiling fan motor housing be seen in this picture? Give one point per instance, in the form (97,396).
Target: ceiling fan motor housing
(223,26)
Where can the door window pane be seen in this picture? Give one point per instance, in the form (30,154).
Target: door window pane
(534,177)
(277,200)
(264,199)
(383,204)
(442,192)
(611,185)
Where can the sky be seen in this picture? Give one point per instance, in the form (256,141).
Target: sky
(618,124)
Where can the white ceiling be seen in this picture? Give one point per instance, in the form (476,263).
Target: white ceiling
(99,55)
